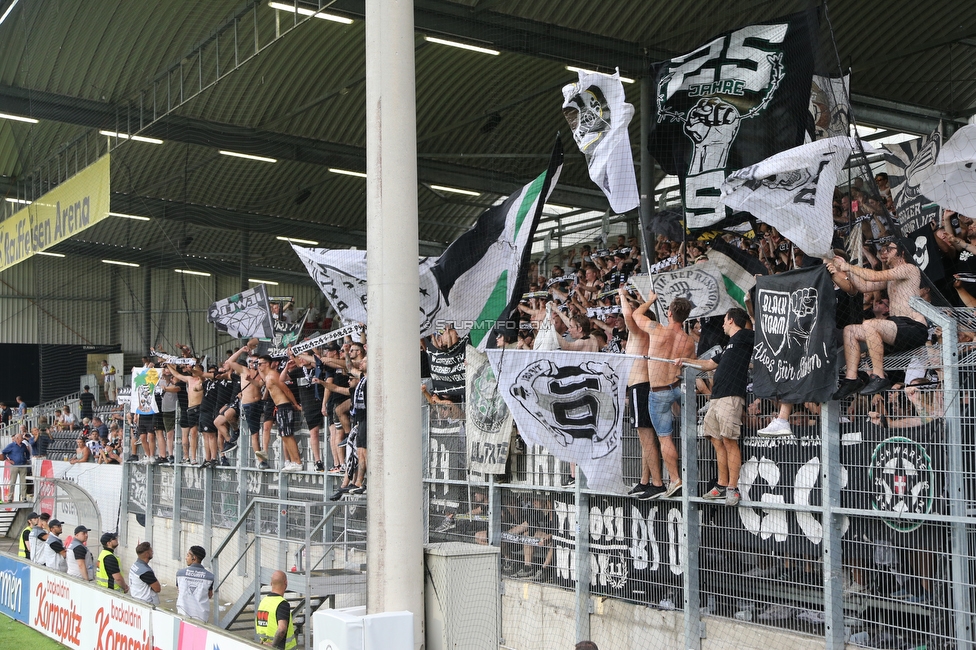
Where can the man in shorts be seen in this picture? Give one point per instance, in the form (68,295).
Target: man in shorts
(723,421)
(905,329)
(665,342)
(285,408)
(638,390)
(251,403)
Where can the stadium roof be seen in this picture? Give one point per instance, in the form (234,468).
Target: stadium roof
(264,80)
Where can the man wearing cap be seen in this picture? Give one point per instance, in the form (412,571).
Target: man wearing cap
(142,580)
(54,558)
(38,539)
(272,622)
(27,536)
(81,562)
(108,574)
(195,586)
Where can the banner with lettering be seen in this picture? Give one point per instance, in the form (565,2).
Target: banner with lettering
(728,104)
(488,421)
(701,283)
(794,358)
(906,164)
(15,588)
(82,617)
(73,206)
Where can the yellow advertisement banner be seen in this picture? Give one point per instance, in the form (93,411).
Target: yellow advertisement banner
(74,205)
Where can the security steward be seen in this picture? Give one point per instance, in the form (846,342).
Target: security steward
(23,545)
(108,573)
(272,621)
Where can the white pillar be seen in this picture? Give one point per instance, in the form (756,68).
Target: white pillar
(395,558)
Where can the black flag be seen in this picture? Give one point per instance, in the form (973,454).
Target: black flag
(731,103)
(793,359)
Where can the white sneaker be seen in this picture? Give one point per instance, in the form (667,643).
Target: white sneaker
(776,429)
(292,467)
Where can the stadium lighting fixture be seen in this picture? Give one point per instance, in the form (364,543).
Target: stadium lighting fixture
(573,68)
(118,263)
(187,272)
(134,138)
(248,156)
(255,281)
(9,9)
(463,46)
(303,11)
(454,190)
(135,217)
(17,118)
(20,201)
(294,240)
(347,172)
(50,254)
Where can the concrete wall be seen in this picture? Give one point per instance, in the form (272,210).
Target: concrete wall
(540,617)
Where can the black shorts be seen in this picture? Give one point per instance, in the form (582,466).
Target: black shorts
(192,416)
(145,425)
(184,418)
(285,418)
(911,334)
(252,415)
(640,416)
(313,414)
(158,423)
(207,422)
(359,427)
(268,414)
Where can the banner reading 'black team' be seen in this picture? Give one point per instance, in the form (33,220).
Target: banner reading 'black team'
(794,359)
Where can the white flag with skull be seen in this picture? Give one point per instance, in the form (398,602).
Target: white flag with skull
(572,403)
(598,116)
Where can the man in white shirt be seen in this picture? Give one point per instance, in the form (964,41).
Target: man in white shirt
(143,584)
(195,586)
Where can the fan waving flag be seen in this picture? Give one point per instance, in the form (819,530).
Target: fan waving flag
(243,315)
(951,181)
(793,191)
(475,283)
(572,403)
(598,116)
(731,103)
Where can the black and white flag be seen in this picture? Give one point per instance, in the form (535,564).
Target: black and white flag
(341,276)
(475,283)
(700,283)
(728,104)
(925,252)
(951,181)
(328,337)
(906,164)
(794,192)
(830,105)
(572,403)
(285,334)
(598,116)
(794,359)
(243,315)
(488,420)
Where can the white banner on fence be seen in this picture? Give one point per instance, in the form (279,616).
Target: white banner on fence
(488,420)
(103,482)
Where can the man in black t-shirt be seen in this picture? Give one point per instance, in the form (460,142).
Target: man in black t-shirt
(87,401)
(723,421)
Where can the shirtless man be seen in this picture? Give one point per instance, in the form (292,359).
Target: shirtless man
(667,342)
(251,402)
(194,395)
(285,407)
(578,328)
(638,390)
(905,329)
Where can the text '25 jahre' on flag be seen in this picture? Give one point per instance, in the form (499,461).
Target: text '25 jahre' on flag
(731,103)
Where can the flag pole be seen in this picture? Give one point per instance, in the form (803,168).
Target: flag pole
(394,553)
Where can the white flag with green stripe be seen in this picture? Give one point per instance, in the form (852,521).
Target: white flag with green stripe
(475,284)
